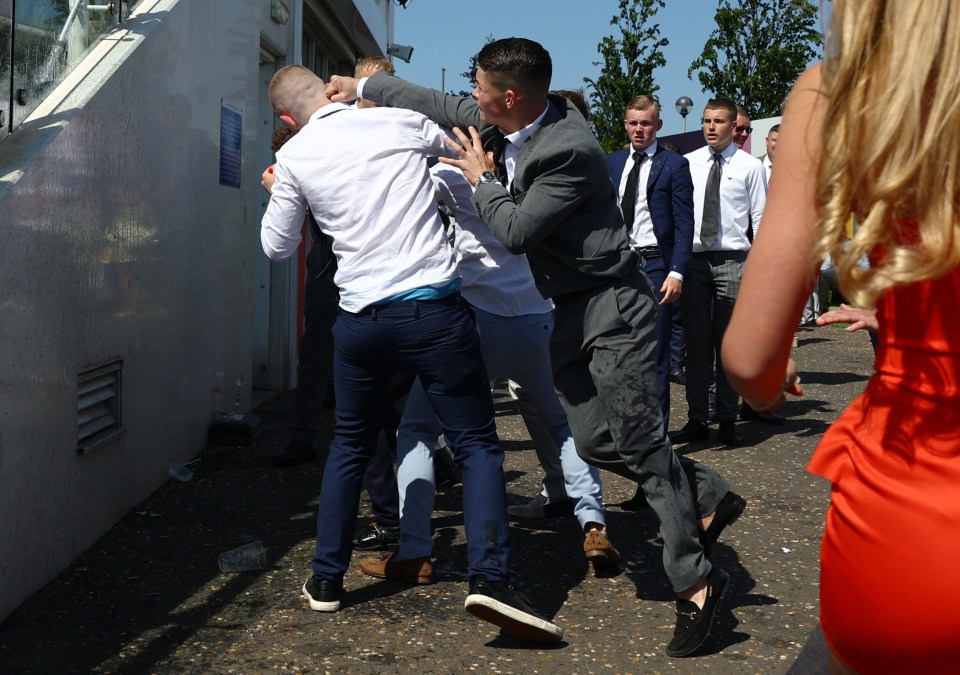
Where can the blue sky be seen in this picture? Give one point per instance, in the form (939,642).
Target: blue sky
(446,33)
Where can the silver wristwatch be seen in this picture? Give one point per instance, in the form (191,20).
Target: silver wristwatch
(487,177)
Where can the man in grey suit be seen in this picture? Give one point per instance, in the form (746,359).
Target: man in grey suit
(552,199)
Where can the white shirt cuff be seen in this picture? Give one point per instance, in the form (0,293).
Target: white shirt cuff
(360,83)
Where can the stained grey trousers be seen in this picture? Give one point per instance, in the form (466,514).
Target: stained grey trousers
(605,370)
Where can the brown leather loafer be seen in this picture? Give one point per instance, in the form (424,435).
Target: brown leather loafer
(414,571)
(600,551)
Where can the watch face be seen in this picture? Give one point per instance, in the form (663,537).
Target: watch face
(488,177)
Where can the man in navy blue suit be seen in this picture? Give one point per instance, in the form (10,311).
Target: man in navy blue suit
(655,192)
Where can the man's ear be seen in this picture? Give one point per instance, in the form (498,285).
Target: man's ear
(287,119)
(510,98)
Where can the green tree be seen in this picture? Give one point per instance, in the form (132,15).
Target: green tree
(470,74)
(757,51)
(627,69)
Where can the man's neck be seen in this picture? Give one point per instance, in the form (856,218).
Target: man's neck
(523,116)
(721,149)
(314,107)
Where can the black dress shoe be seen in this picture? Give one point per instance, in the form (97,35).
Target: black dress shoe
(377,538)
(692,432)
(726,513)
(748,414)
(728,434)
(677,377)
(295,454)
(693,623)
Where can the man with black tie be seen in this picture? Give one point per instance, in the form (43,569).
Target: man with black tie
(656,198)
(556,205)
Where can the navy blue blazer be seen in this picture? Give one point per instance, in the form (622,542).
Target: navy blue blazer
(670,200)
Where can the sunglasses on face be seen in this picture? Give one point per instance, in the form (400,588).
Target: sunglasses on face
(744,130)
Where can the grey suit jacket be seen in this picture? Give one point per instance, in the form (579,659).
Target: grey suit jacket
(561,209)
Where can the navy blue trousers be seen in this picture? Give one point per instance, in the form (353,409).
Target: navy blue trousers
(438,340)
(656,269)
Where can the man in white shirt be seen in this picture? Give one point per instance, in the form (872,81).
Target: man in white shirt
(771,142)
(400,310)
(730,193)
(742,129)
(746,412)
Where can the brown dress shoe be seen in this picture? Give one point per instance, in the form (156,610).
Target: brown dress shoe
(600,551)
(414,571)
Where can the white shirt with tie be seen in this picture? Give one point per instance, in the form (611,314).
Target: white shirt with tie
(515,141)
(743,196)
(641,234)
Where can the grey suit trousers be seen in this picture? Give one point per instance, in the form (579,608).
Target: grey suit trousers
(709,291)
(604,360)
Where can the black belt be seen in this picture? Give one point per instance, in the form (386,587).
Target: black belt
(648,252)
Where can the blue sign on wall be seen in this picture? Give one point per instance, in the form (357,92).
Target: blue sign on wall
(231,132)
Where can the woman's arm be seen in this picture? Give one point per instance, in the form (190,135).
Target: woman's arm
(780,272)
(857,317)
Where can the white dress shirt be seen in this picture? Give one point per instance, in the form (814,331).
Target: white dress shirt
(767,166)
(515,141)
(364,176)
(743,196)
(494,279)
(641,234)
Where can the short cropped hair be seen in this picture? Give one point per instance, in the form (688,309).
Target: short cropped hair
(287,83)
(723,104)
(517,62)
(643,102)
(775,129)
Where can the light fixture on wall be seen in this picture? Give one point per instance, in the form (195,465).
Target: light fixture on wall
(402,52)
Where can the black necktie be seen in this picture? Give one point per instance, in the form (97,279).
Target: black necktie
(629,202)
(710,227)
(498,143)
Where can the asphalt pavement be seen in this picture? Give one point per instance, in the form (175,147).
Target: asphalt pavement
(149,597)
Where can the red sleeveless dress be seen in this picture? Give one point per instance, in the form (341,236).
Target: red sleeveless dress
(890,560)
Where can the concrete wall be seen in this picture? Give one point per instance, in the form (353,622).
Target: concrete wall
(118,242)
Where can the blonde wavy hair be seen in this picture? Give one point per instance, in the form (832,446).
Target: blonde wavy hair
(891,142)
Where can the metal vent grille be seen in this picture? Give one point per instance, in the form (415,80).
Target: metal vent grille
(98,405)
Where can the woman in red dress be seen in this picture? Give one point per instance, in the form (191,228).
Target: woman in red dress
(874,131)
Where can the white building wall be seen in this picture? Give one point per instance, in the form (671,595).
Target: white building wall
(118,242)
(378,15)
